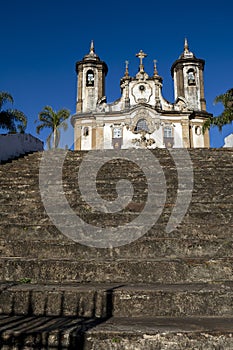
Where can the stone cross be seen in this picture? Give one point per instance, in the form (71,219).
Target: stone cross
(141,55)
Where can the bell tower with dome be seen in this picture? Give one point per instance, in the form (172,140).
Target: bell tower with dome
(187,73)
(91,73)
(141,117)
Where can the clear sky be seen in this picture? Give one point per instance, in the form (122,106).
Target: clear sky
(43,39)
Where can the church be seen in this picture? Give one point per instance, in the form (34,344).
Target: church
(141,117)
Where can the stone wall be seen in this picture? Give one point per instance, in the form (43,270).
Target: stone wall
(14,145)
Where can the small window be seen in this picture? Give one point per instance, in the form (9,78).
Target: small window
(191,77)
(141,126)
(167,131)
(90,79)
(168,138)
(117,133)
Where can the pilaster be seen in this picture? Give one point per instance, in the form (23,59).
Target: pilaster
(77,138)
(185,133)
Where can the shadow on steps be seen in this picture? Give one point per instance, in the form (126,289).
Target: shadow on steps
(50,332)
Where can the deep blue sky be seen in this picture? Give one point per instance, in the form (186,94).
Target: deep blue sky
(41,40)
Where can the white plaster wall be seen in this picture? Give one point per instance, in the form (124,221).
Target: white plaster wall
(198,138)
(127,138)
(178,142)
(14,145)
(108,136)
(228,141)
(86,141)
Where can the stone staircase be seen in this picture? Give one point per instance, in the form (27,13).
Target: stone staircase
(164,291)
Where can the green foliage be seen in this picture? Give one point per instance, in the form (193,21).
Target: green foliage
(55,121)
(116,340)
(12,120)
(226,117)
(25,280)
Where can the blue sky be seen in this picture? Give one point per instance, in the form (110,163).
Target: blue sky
(43,39)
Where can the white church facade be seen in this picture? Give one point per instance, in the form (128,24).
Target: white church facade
(141,117)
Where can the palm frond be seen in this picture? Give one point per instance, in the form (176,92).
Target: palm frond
(4,98)
(226,117)
(6,121)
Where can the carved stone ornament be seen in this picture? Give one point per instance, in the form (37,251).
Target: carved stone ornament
(141,92)
(144,141)
(102,105)
(142,114)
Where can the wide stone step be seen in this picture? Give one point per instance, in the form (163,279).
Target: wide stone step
(146,247)
(161,333)
(135,270)
(179,300)
(44,333)
(80,300)
(119,300)
(194,228)
(202,333)
(214,215)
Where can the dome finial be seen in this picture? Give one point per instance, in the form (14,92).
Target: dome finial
(186,53)
(91,55)
(92,49)
(186,46)
(126,69)
(155,68)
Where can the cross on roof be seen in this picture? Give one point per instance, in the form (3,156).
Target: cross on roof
(141,55)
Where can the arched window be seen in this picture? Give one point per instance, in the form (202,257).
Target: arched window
(141,126)
(85,131)
(191,77)
(90,78)
(198,130)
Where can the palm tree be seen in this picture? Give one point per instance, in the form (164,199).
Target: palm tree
(226,117)
(55,121)
(11,119)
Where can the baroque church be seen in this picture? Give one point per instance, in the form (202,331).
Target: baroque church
(141,117)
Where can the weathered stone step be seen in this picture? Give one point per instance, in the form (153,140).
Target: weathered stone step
(80,300)
(170,271)
(146,247)
(167,164)
(177,300)
(208,158)
(44,333)
(160,333)
(191,228)
(202,333)
(102,300)
(199,214)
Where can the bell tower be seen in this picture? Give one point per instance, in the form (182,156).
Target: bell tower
(91,73)
(187,73)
